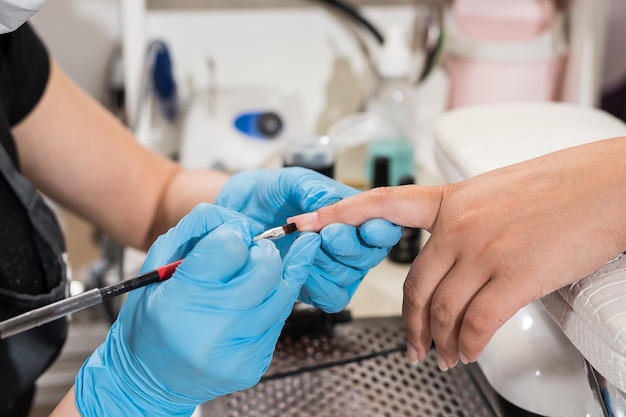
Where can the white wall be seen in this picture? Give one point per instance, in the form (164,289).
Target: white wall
(80,35)
(283,47)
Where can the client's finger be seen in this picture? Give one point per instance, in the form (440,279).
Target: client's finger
(494,304)
(407,205)
(427,271)
(447,309)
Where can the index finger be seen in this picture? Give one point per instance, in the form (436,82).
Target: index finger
(407,205)
(428,269)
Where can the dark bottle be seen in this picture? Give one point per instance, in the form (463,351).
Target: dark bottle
(381,172)
(313,152)
(408,246)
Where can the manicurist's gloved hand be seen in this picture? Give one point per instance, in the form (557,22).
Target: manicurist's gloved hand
(346,254)
(207,331)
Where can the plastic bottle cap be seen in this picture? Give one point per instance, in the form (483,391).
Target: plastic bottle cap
(394,58)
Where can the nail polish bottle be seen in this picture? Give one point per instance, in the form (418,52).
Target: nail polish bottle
(408,246)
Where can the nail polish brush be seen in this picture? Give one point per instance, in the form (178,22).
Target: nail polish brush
(58,309)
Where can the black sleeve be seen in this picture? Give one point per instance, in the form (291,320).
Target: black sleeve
(25,71)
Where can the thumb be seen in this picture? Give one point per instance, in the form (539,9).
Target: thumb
(407,205)
(299,260)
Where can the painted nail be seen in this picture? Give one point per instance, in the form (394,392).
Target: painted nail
(443,366)
(412,355)
(304,221)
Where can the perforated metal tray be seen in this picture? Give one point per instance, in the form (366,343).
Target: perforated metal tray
(371,386)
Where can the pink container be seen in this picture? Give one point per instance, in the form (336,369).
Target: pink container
(504,51)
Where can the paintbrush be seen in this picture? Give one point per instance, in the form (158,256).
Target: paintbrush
(56,310)
(277,232)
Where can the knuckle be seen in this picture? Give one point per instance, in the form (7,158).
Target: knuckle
(330,212)
(442,315)
(476,324)
(379,196)
(411,295)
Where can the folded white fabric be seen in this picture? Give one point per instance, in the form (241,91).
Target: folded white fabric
(473,140)
(592,313)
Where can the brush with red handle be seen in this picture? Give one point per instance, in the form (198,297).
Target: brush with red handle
(56,310)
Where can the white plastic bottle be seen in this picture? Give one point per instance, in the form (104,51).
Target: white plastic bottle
(391,102)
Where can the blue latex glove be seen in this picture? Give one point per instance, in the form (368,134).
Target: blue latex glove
(346,252)
(207,331)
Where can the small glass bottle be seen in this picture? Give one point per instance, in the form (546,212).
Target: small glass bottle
(391,103)
(313,152)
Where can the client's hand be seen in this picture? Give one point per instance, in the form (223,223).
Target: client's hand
(498,241)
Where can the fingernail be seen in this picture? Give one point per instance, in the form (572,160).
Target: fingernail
(463,359)
(442,363)
(304,221)
(412,354)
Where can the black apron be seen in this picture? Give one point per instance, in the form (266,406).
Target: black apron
(25,356)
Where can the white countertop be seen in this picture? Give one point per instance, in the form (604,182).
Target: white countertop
(380,294)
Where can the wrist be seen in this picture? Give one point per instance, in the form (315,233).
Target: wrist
(605,174)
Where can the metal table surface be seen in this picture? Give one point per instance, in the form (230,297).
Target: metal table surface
(360,369)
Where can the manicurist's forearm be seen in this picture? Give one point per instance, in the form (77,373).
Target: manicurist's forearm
(185,190)
(67,406)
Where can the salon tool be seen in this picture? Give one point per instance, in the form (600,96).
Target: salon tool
(260,125)
(252,125)
(56,310)
(277,232)
(165,89)
(309,321)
